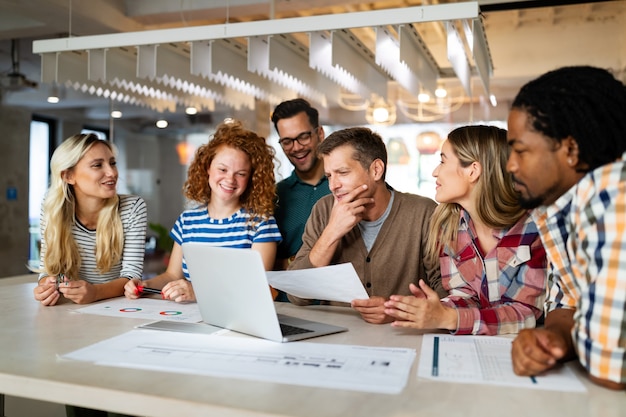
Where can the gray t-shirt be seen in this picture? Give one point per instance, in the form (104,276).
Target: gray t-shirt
(369,230)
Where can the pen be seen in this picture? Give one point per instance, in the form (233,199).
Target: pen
(148,290)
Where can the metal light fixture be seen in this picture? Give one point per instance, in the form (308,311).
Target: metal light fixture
(381,112)
(54,96)
(430,109)
(200,65)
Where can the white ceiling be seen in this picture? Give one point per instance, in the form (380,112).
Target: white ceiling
(526,38)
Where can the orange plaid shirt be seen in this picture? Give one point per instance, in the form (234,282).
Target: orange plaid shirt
(584,235)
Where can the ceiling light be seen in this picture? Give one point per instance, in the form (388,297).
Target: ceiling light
(492,99)
(161,124)
(423,97)
(441,92)
(171,65)
(380,114)
(54,96)
(191,110)
(116,114)
(429,111)
(428,143)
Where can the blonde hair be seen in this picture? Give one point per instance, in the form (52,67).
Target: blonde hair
(496,201)
(258,198)
(59,208)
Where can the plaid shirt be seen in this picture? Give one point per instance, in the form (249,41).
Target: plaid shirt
(502,292)
(584,233)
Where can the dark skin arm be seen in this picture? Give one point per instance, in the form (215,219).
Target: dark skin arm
(537,350)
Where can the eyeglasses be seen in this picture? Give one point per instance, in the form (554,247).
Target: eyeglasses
(303,139)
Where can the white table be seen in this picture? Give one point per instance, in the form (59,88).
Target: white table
(33,336)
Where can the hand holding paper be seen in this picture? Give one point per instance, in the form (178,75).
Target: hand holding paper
(333,283)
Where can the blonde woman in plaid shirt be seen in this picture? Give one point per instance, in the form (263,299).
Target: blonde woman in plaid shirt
(493,265)
(567,131)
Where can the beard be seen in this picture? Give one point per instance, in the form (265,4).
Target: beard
(529,202)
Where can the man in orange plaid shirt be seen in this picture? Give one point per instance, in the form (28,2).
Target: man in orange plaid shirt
(567,133)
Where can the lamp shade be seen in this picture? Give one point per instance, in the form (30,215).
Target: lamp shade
(184,150)
(428,143)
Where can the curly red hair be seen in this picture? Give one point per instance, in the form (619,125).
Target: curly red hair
(259,197)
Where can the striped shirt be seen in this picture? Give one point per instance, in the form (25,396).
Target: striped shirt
(584,233)
(133,213)
(502,291)
(195,225)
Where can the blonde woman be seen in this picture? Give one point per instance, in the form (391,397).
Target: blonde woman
(492,261)
(232,181)
(92,239)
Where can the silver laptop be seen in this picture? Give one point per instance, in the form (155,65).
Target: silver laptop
(232,292)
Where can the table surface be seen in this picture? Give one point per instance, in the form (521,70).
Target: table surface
(34,336)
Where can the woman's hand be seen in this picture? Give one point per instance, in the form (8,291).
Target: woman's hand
(131,290)
(46,291)
(79,291)
(179,291)
(422,310)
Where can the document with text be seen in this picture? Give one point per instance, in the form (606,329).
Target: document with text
(358,368)
(484,360)
(332,283)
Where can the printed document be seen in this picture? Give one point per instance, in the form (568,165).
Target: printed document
(484,360)
(358,368)
(145,308)
(331,283)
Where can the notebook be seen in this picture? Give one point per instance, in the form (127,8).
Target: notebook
(232,292)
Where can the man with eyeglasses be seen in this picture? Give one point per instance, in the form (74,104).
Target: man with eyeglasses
(297,125)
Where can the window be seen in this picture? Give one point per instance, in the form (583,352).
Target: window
(41,142)
(100,133)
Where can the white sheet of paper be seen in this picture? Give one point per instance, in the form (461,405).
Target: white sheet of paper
(358,368)
(331,283)
(145,308)
(484,360)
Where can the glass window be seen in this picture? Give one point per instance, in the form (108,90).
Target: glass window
(38,177)
(100,133)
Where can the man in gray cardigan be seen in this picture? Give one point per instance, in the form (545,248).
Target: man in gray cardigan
(382,232)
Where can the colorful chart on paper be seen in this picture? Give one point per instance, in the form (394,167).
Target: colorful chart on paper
(145,308)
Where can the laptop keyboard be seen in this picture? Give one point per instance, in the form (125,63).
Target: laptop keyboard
(288,330)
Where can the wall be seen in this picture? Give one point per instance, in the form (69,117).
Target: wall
(149,167)
(14,143)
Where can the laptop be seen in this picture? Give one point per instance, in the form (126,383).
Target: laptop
(232,292)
